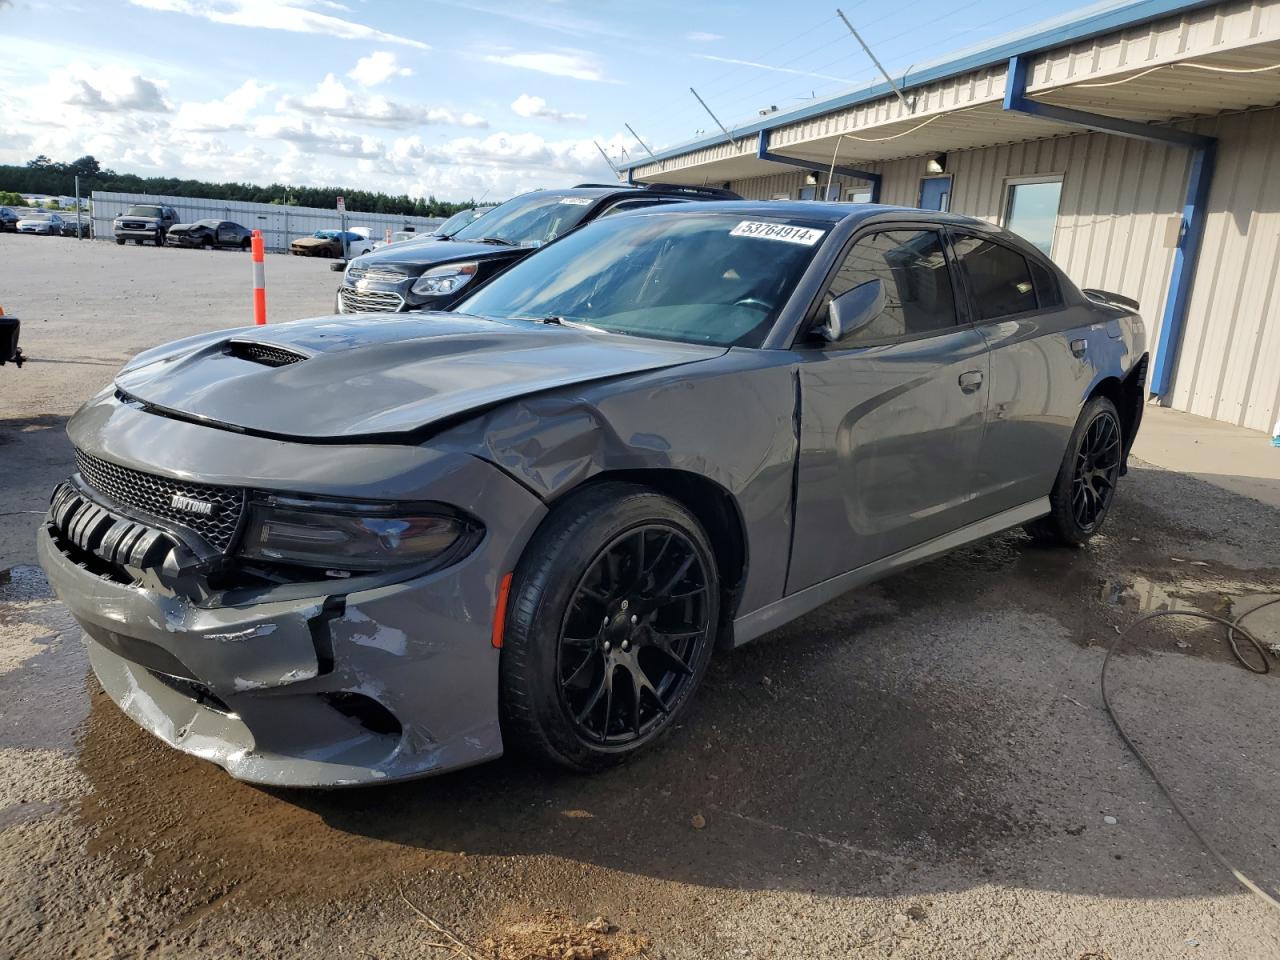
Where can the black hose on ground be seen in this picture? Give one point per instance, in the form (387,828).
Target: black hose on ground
(1233,627)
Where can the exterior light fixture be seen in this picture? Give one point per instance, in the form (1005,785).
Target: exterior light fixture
(936,164)
(810,179)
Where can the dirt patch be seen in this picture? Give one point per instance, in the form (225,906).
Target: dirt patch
(554,936)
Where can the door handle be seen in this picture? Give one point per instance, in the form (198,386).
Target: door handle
(1079,347)
(970,381)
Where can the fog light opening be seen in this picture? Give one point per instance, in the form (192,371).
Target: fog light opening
(366,711)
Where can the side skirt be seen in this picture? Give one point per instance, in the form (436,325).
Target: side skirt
(774,615)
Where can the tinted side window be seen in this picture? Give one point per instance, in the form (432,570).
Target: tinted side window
(917,282)
(1047,288)
(998,278)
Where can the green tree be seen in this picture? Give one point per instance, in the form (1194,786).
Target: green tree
(52,205)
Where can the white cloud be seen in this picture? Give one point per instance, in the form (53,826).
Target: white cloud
(536,107)
(315,138)
(376,68)
(773,69)
(111,88)
(575,64)
(229,113)
(699,37)
(295,16)
(334,100)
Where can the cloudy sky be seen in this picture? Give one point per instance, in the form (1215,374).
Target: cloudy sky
(457,99)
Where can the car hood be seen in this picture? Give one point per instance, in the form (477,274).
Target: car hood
(314,241)
(412,257)
(132,219)
(184,227)
(360,377)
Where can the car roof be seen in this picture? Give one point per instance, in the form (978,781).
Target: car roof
(817,211)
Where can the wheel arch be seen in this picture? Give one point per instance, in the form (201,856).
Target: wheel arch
(713,506)
(1128,395)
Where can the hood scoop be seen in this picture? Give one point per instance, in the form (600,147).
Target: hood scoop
(263,353)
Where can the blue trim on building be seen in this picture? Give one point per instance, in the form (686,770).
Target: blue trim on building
(1086,28)
(1194,211)
(762,152)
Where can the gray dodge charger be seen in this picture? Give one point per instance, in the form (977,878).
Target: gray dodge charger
(358,549)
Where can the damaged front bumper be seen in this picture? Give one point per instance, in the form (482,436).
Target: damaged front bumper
(339,682)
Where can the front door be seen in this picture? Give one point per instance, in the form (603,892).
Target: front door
(891,419)
(935,193)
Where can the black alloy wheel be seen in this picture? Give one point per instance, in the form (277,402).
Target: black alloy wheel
(1085,487)
(636,623)
(613,614)
(1097,469)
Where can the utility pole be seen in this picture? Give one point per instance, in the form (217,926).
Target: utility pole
(885,73)
(714,117)
(79,235)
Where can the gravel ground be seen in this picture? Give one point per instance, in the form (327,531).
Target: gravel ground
(920,769)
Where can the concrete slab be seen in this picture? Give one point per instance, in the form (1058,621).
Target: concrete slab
(1233,458)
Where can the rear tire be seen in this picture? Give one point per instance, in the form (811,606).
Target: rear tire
(1085,486)
(611,622)
(120,241)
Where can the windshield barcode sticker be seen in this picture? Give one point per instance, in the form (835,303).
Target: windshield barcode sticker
(577,201)
(807,236)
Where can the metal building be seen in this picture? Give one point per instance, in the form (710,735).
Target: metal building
(1138,142)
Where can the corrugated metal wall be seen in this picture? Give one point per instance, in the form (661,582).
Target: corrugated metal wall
(1229,367)
(279,224)
(1117,198)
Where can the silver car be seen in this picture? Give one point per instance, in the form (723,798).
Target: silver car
(49,224)
(351,550)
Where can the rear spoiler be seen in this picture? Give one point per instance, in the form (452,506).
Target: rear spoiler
(1111,299)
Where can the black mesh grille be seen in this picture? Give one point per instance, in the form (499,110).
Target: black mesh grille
(263,353)
(154,495)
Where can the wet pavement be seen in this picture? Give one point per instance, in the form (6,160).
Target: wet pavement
(930,748)
(922,768)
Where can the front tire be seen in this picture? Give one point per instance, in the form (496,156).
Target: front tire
(1086,483)
(611,622)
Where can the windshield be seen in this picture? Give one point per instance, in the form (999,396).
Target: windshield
(212,224)
(455,223)
(528,221)
(697,278)
(142,212)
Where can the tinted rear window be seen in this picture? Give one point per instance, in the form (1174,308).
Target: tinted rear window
(999,279)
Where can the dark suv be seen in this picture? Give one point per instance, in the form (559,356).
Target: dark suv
(434,276)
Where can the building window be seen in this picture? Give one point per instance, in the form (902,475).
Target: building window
(781,196)
(1031,210)
(858,195)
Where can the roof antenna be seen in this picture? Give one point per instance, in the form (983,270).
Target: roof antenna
(645,145)
(879,66)
(714,117)
(607,160)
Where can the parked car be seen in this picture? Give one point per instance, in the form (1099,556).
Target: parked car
(209,233)
(144,221)
(69,226)
(459,220)
(352,551)
(10,352)
(9,219)
(50,224)
(434,276)
(332,243)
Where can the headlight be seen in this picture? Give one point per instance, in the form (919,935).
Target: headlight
(352,536)
(439,281)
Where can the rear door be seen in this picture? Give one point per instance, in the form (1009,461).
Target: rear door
(891,419)
(1039,346)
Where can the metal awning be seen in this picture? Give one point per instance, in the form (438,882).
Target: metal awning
(1161,72)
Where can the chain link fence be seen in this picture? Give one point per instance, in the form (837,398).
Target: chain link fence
(279,224)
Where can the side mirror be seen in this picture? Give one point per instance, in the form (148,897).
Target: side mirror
(853,310)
